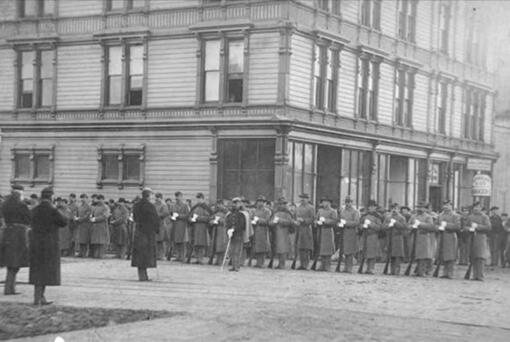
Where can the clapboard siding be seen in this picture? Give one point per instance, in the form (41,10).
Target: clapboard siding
(307,2)
(420,103)
(423,24)
(385,100)
(72,8)
(448,121)
(173,163)
(7,58)
(160,4)
(489,112)
(349,9)
(457,114)
(346,84)
(300,71)
(460,32)
(7,9)
(388,18)
(172,73)
(78,76)
(263,69)
(435,8)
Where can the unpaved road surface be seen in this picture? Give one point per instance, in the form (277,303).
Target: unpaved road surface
(276,305)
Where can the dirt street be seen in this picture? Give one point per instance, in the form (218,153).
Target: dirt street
(263,305)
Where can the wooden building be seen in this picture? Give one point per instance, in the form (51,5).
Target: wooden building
(383,99)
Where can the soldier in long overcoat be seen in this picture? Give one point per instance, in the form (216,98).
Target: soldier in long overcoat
(199,217)
(47,221)
(180,212)
(147,226)
(305,215)
(84,225)
(162,237)
(219,231)
(351,216)
(371,224)
(236,225)
(100,234)
(65,235)
(449,226)
(424,250)
(326,220)
(73,226)
(479,226)
(14,244)
(396,227)
(260,222)
(281,222)
(119,222)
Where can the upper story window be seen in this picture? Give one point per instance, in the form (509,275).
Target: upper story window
(120,5)
(474,113)
(404,93)
(121,166)
(35,8)
(35,80)
(444,26)
(223,78)
(332,6)
(124,80)
(407,10)
(442,105)
(368,84)
(325,77)
(371,13)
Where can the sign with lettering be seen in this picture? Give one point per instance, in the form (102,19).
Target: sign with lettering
(482,185)
(476,164)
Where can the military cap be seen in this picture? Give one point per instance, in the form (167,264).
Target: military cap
(261,199)
(17,187)
(305,196)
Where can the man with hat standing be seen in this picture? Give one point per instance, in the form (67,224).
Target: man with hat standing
(219,231)
(349,222)
(448,226)
(119,222)
(180,237)
(424,223)
(147,226)
(496,237)
(236,226)
(325,220)
(73,209)
(260,221)
(199,217)
(371,224)
(65,236)
(395,223)
(281,222)
(14,244)
(305,215)
(162,238)
(84,225)
(479,226)
(47,221)
(100,234)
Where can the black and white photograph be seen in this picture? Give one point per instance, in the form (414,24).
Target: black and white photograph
(254,170)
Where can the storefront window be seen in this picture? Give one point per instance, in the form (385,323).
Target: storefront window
(301,170)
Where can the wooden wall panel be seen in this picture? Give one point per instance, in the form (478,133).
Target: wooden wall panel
(349,9)
(78,76)
(388,18)
(8,10)
(457,114)
(346,84)
(172,73)
(263,68)
(74,8)
(7,59)
(160,4)
(423,24)
(489,113)
(300,71)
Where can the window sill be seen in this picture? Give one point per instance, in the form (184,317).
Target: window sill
(120,185)
(32,182)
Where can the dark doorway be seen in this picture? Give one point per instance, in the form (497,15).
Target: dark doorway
(246,168)
(328,172)
(435,198)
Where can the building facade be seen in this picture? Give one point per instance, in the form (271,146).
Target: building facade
(373,98)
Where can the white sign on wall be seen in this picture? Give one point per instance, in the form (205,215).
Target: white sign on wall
(482,185)
(476,164)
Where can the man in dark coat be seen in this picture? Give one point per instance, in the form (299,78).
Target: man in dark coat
(44,246)
(147,226)
(199,217)
(236,225)
(496,240)
(14,244)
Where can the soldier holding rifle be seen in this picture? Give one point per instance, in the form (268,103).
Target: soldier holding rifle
(371,223)
(449,225)
(349,218)
(479,226)
(325,221)
(423,222)
(396,224)
(305,215)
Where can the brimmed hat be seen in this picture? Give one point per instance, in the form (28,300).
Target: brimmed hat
(261,199)
(393,205)
(303,195)
(348,199)
(324,199)
(159,195)
(236,199)
(17,187)
(83,196)
(46,191)
(422,205)
(59,199)
(372,203)
(447,201)
(494,208)
(282,200)
(405,207)
(199,195)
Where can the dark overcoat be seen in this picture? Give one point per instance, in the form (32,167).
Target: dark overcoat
(44,244)
(14,242)
(180,228)
(147,226)
(306,213)
(200,227)
(119,222)
(261,231)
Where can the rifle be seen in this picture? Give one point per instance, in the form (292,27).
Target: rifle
(340,249)
(467,276)
(296,248)
(191,243)
(318,252)
(250,253)
(413,253)
(360,269)
(215,236)
(390,250)
(440,256)
(273,247)
(227,255)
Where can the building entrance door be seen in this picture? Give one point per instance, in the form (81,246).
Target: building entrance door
(328,173)
(435,198)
